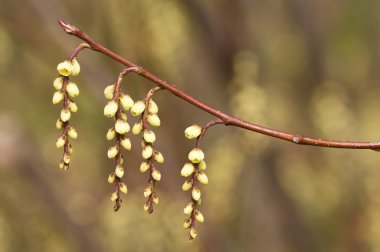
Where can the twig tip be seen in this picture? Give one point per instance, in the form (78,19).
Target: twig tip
(68,28)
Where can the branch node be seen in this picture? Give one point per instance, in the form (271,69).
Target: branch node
(297,139)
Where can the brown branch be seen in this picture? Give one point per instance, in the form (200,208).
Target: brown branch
(227,119)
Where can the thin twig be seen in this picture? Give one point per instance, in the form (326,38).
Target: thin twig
(227,119)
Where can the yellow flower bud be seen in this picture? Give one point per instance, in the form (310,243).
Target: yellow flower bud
(65,115)
(156,175)
(73,107)
(196,193)
(199,216)
(158,157)
(110,109)
(112,151)
(122,126)
(60,141)
(66,158)
(155,199)
(193,131)
(72,132)
(138,108)
(65,68)
(188,208)
(58,83)
(126,101)
(59,124)
(72,89)
(108,91)
(75,70)
(111,178)
(153,120)
(144,167)
(111,134)
(58,97)
(114,196)
(126,143)
(137,128)
(202,177)
(152,107)
(70,149)
(193,233)
(123,116)
(149,136)
(62,165)
(146,207)
(187,169)
(147,152)
(196,155)
(123,188)
(187,185)
(187,223)
(147,191)
(202,165)
(119,171)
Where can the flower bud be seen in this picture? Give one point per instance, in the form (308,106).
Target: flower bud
(155,199)
(126,101)
(147,151)
(66,158)
(75,70)
(158,157)
(126,143)
(111,178)
(187,223)
(60,141)
(149,136)
(147,191)
(110,109)
(72,132)
(188,208)
(196,193)
(65,115)
(123,116)
(202,165)
(196,155)
(59,124)
(65,68)
(152,107)
(137,128)
(146,207)
(202,177)
(58,97)
(114,196)
(187,169)
(156,175)
(122,126)
(153,120)
(112,151)
(108,91)
(193,233)
(138,108)
(144,167)
(187,185)
(73,107)
(111,134)
(119,171)
(72,89)
(70,149)
(58,83)
(199,216)
(123,188)
(63,166)
(193,131)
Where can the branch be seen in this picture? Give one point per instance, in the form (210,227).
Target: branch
(227,119)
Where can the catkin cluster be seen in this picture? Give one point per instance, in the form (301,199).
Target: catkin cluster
(65,91)
(147,110)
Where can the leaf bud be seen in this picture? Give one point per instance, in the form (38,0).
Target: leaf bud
(58,96)
(187,169)
(193,131)
(108,91)
(138,108)
(126,101)
(153,120)
(110,109)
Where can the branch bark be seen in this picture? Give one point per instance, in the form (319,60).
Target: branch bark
(227,119)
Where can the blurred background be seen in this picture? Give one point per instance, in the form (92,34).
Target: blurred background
(305,67)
